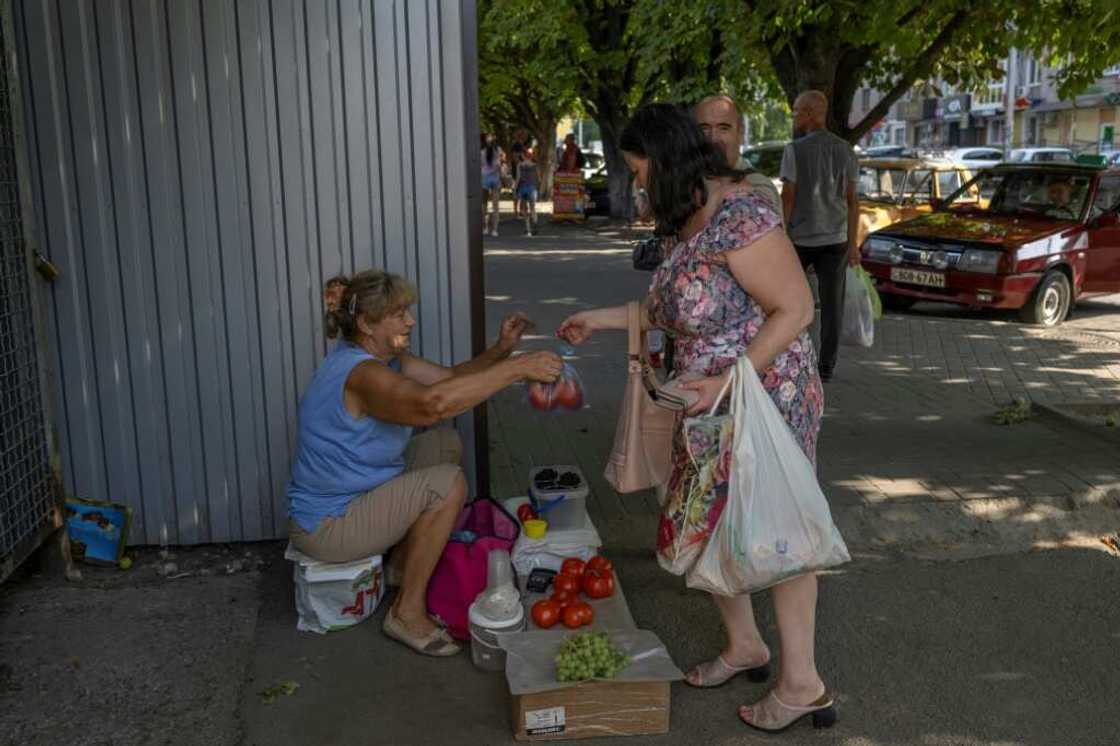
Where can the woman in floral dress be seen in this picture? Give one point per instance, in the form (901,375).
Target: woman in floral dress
(731,286)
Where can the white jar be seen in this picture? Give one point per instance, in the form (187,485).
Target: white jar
(486,653)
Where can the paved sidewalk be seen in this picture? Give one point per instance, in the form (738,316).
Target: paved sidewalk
(909,454)
(917,652)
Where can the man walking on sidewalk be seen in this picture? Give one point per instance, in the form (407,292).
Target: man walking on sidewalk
(819,175)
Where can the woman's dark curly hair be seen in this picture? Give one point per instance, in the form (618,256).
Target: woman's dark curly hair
(680,158)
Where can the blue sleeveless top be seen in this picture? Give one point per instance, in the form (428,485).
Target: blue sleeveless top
(338,456)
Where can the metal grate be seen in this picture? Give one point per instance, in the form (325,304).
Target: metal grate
(26,494)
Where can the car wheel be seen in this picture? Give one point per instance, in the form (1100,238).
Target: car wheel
(894,302)
(1049,305)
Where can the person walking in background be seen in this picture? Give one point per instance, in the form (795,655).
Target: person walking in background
(819,175)
(722,124)
(525,190)
(516,151)
(491,183)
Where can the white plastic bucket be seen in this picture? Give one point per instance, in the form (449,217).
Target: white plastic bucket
(486,653)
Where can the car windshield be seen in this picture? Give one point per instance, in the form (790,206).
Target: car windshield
(881,184)
(1050,194)
(887,184)
(768,160)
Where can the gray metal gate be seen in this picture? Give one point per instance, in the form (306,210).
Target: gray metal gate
(27,485)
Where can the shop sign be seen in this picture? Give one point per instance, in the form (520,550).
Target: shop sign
(955,108)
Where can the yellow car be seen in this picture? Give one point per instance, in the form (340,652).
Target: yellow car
(895,189)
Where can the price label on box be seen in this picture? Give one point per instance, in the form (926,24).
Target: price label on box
(540,722)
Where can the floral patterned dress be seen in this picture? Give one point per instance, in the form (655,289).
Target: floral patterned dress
(694,296)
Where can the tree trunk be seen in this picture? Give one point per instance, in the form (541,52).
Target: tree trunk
(611,123)
(818,60)
(546,157)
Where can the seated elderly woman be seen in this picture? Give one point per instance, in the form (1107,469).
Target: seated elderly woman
(361,482)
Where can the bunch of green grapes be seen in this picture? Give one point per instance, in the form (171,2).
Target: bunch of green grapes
(589,655)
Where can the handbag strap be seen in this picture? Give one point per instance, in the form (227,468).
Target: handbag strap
(723,391)
(634,326)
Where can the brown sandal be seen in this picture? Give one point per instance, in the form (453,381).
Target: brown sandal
(437,643)
(771,715)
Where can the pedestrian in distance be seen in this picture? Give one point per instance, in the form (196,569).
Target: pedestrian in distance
(819,176)
(525,191)
(492,157)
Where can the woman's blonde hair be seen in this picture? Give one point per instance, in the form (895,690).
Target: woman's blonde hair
(373,294)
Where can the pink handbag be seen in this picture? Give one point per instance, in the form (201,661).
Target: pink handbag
(460,574)
(647,420)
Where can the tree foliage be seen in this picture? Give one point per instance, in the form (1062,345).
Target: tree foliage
(606,57)
(837,46)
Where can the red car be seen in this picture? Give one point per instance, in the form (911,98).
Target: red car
(1033,237)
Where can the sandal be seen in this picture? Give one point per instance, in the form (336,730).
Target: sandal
(771,715)
(718,672)
(437,643)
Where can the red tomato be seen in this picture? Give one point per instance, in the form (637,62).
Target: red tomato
(586,612)
(545,614)
(572,566)
(564,598)
(569,583)
(572,617)
(525,512)
(600,564)
(541,396)
(568,394)
(596,585)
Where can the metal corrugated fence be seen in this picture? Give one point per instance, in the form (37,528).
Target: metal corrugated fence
(200,167)
(27,489)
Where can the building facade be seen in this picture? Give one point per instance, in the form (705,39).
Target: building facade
(1086,123)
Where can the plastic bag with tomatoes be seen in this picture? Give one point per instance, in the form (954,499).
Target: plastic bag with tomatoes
(566,393)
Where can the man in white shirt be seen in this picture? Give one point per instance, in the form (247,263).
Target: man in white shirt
(722,123)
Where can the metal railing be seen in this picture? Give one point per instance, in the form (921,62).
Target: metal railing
(27,484)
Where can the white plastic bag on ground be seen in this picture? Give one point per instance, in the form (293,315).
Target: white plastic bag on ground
(777,523)
(334,596)
(858,325)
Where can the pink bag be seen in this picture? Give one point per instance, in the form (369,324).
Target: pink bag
(460,574)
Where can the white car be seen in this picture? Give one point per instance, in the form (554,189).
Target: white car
(592,162)
(1041,155)
(974,158)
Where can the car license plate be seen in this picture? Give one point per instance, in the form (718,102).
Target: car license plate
(918,277)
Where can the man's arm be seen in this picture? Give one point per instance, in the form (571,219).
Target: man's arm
(788,174)
(789,189)
(851,179)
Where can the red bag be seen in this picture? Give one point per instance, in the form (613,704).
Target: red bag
(460,574)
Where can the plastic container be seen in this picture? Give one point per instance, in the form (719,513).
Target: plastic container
(535,528)
(559,498)
(486,652)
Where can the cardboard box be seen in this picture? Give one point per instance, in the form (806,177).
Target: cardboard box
(593,708)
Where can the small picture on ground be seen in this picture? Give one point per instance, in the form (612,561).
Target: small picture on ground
(97,530)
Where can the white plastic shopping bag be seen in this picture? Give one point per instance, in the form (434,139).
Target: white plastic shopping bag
(334,596)
(858,325)
(776,523)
